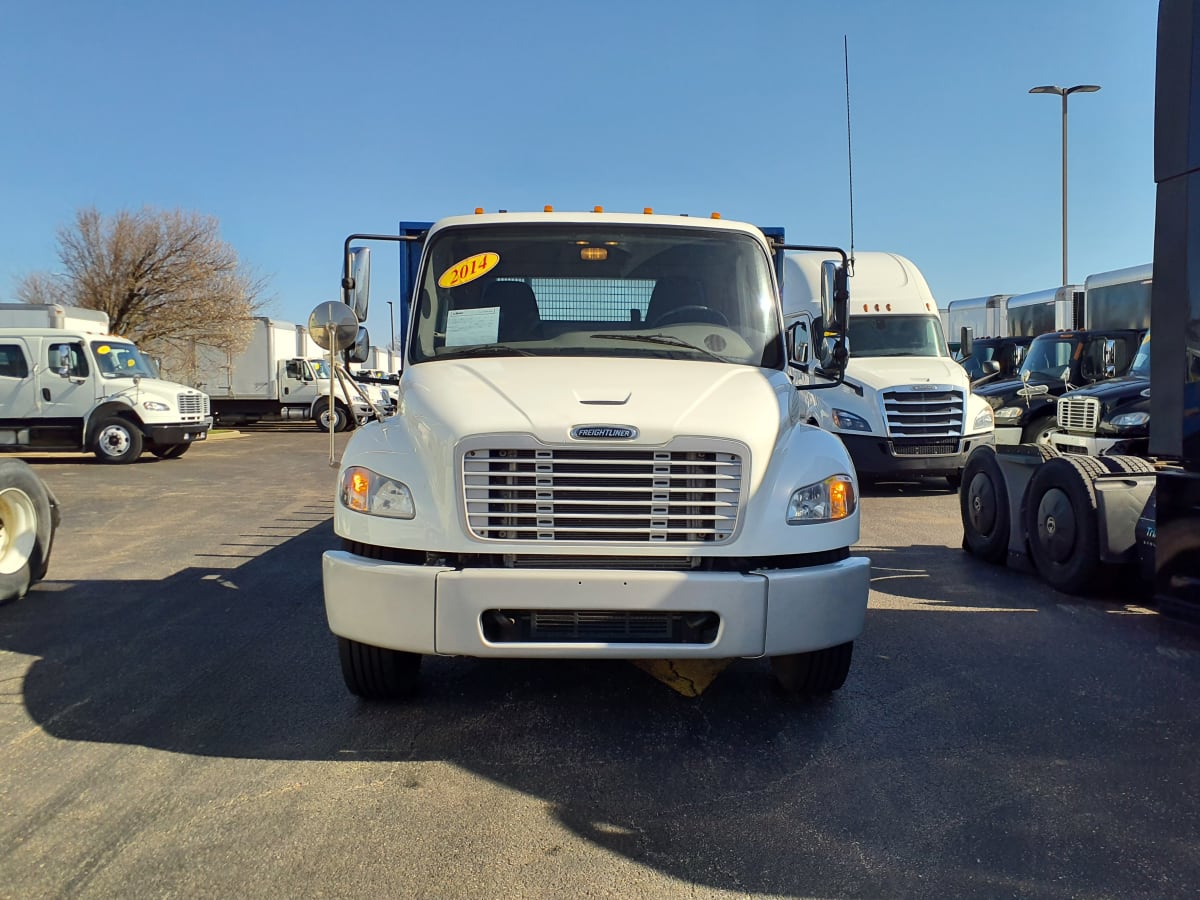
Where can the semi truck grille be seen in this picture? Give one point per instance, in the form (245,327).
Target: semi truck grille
(1078,413)
(925,447)
(658,496)
(924,413)
(599,626)
(193,404)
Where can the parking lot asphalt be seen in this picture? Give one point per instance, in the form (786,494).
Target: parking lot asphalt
(174,724)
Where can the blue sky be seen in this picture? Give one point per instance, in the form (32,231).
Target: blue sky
(298,123)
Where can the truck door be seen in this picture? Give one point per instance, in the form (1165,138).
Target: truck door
(18,392)
(297,383)
(67,383)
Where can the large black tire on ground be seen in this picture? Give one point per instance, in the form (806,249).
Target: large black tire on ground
(341,418)
(983,506)
(170,451)
(27,522)
(817,672)
(1127,465)
(376,673)
(116,440)
(1062,523)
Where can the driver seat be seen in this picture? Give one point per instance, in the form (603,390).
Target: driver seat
(672,293)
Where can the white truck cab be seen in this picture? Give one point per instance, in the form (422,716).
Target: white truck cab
(597,453)
(906,408)
(73,387)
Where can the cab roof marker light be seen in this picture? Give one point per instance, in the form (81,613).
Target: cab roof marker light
(715,215)
(479,210)
(547,208)
(648,210)
(597,209)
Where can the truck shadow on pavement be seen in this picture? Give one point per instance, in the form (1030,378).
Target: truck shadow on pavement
(983,747)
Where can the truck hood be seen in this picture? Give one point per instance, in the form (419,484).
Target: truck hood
(888,371)
(547,397)
(1115,391)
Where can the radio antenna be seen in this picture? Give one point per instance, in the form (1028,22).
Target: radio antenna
(849,154)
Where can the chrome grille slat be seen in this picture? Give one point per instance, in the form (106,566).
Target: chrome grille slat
(916,413)
(193,404)
(1079,413)
(635,495)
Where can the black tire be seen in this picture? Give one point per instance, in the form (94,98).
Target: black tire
(376,673)
(1061,522)
(1127,465)
(116,440)
(26,529)
(983,506)
(171,451)
(817,672)
(341,419)
(1036,432)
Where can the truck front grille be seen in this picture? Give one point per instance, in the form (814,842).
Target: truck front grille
(644,495)
(1078,414)
(193,404)
(924,413)
(925,447)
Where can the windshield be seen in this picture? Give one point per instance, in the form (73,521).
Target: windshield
(897,336)
(1141,362)
(597,290)
(120,360)
(1047,358)
(320,367)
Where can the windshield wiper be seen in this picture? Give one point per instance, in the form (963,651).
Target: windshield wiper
(664,339)
(485,350)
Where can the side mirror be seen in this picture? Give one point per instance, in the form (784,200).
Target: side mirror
(360,352)
(966,340)
(835,308)
(990,367)
(356,281)
(1110,359)
(798,343)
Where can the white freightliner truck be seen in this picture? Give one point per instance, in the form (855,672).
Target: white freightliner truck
(279,375)
(598,453)
(906,407)
(68,385)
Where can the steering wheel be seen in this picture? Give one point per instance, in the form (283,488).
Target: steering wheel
(691,313)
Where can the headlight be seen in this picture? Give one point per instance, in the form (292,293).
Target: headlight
(1008,413)
(848,421)
(369,492)
(825,501)
(984,419)
(1130,420)
(156,406)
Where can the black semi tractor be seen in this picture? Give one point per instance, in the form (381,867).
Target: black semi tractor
(1071,517)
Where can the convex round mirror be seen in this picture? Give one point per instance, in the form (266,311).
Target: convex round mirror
(333,322)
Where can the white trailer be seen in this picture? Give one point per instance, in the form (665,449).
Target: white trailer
(906,407)
(1040,312)
(1118,299)
(985,316)
(280,375)
(66,385)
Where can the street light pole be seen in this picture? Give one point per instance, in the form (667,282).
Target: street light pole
(1064,93)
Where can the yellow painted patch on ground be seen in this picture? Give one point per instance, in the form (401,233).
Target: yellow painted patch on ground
(688,676)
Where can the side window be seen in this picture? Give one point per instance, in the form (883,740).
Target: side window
(77,366)
(12,361)
(295,369)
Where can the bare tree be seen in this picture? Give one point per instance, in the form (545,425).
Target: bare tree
(166,279)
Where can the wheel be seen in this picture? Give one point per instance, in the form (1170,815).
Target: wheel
(1127,465)
(983,506)
(1061,522)
(817,672)
(341,419)
(26,529)
(376,673)
(691,313)
(1039,430)
(171,451)
(117,441)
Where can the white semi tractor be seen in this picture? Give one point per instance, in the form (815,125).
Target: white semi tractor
(905,408)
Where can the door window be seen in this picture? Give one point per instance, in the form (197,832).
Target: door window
(12,361)
(77,366)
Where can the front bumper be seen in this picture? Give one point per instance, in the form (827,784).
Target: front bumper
(876,456)
(1090,445)
(1009,435)
(439,610)
(187,433)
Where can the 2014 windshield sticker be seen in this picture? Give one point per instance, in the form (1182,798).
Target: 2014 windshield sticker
(469,269)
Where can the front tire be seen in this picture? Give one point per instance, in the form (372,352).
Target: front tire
(26,529)
(117,440)
(813,673)
(377,673)
(341,419)
(1039,430)
(983,506)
